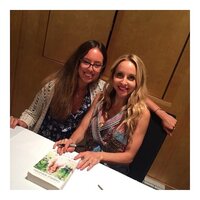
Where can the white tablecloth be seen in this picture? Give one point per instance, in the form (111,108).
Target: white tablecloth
(28,147)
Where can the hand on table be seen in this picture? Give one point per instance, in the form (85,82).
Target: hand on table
(88,159)
(15,121)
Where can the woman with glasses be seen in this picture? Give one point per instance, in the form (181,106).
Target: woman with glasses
(67,95)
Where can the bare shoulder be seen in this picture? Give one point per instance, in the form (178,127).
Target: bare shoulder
(145,118)
(146,114)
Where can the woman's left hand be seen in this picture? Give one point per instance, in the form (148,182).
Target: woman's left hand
(88,159)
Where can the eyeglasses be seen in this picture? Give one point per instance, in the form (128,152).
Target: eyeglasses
(86,64)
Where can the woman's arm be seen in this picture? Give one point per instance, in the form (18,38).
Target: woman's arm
(30,116)
(89,159)
(168,121)
(79,134)
(41,100)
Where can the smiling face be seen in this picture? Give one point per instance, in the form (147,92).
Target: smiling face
(91,66)
(124,79)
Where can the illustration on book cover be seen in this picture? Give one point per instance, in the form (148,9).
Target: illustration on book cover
(57,166)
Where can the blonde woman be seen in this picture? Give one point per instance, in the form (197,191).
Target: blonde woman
(119,121)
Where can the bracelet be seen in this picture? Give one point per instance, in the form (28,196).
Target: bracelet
(157,109)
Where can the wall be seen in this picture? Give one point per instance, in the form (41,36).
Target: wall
(42,40)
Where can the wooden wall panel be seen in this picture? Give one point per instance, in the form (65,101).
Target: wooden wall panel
(68,29)
(172,166)
(31,67)
(155,36)
(15,20)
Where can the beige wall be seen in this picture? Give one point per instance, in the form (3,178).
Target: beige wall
(42,40)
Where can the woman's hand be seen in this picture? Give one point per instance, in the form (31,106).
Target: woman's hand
(88,159)
(15,121)
(168,121)
(64,146)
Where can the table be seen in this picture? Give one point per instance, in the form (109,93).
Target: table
(27,147)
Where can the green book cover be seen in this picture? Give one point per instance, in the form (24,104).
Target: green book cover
(53,170)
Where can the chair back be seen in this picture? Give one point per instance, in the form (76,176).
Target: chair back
(149,149)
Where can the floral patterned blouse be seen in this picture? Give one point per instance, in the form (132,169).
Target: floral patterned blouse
(55,130)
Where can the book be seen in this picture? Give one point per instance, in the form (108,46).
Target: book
(53,170)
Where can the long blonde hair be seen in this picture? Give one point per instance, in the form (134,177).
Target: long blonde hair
(135,104)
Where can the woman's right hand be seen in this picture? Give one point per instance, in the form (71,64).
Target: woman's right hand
(15,121)
(64,146)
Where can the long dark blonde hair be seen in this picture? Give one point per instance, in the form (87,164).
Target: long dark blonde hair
(136,101)
(66,79)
